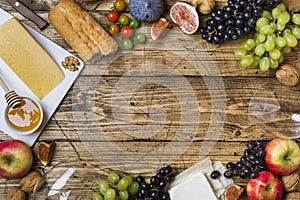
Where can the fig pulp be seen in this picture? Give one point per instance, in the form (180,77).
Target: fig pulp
(233,192)
(45,152)
(159,28)
(185,17)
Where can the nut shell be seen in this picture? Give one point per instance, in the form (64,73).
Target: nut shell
(288,75)
(15,193)
(290,182)
(291,196)
(205,6)
(29,181)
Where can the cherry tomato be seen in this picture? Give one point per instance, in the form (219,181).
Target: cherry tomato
(114,29)
(127,44)
(124,20)
(126,32)
(120,5)
(134,23)
(112,16)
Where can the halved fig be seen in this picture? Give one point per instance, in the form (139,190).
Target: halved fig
(233,192)
(159,27)
(185,17)
(45,152)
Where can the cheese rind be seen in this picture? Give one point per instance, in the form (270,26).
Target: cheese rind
(24,55)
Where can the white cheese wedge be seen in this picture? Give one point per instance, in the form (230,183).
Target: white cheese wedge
(24,55)
(195,188)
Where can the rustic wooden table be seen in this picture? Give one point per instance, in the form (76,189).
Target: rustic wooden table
(75,128)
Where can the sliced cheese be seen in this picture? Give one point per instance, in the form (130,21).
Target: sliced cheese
(24,55)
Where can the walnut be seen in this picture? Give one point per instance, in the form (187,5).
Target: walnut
(29,181)
(288,75)
(291,181)
(205,6)
(291,196)
(70,63)
(15,193)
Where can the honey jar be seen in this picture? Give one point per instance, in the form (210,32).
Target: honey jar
(27,117)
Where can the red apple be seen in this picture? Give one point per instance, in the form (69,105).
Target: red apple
(282,156)
(15,159)
(266,186)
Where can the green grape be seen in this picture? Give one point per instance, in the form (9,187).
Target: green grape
(110,194)
(262,22)
(123,184)
(266,14)
(274,26)
(296,18)
(280,41)
(261,37)
(103,186)
(291,40)
(281,6)
(124,194)
(256,61)
(280,27)
(281,59)
(269,45)
(274,63)
(272,37)
(97,196)
(113,177)
(129,179)
(296,32)
(267,29)
(247,61)
(276,12)
(133,188)
(264,64)
(287,32)
(283,18)
(286,49)
(275,54)
(245,46)
(259,50)
(87,198)
(118,197)
(251,43)
(240,53)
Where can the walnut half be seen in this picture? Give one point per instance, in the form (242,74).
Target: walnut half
(29,181)
(15,193)
(290,182)
(288,75)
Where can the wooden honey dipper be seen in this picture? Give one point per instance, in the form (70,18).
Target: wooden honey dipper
(12,98)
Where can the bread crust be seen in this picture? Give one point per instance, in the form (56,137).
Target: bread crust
(81,31)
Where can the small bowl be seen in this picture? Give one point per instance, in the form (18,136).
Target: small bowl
(27,103)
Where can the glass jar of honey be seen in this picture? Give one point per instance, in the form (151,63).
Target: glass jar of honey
(27,117)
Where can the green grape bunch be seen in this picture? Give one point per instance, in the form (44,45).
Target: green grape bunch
(276,33)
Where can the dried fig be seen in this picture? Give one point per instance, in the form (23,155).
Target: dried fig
(159,27)
(290,182)
(233,192)
(45,152)
(15,193)
(29,181)
(288,75)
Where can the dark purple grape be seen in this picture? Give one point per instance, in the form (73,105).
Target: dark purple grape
(169,178)
(253,174)
(247,153)
(261,153)
(139,179)
(165,196)
(215,174)
(154,180)
(258,161)
(243,159)
(249,164)
(228,174)
(230,166)
(252,157)
(244,173)
(168,170)
(154,194)
(216,39)
(161,185)
(144,185)
(259,143)
(239,165)
(250,145)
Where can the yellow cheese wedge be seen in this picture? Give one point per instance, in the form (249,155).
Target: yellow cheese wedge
(24,55)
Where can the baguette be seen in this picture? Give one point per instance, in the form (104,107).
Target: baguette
(81,31)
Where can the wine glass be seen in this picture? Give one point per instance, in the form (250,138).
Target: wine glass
(276,110)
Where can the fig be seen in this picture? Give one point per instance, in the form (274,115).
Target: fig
(159,27)
(185,17)
(233,192)
(45,152)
